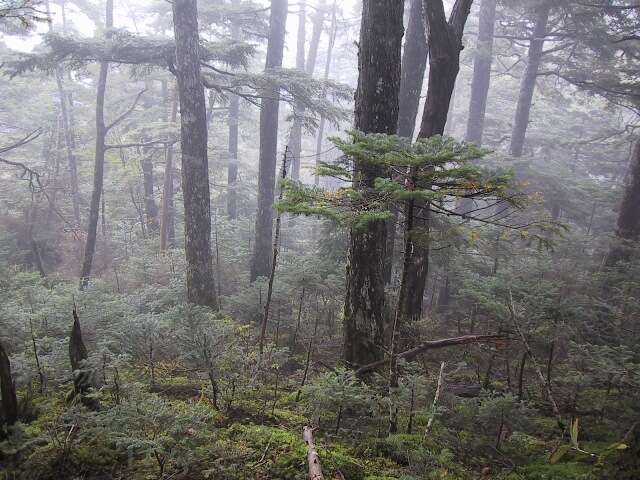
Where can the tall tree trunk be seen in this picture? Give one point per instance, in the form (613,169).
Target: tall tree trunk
(83,375)
(150,207)
(316,33)
(8,389)
(295,136)
(481,72)
(528,82)
(628,231)
(195,164)
(167,218)
(376,111)
(445,44)
(414,65)
(327,70)
(234,114)
(261,261)
(98,169)
(66,127)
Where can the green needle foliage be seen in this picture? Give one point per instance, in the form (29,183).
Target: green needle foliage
(439,171)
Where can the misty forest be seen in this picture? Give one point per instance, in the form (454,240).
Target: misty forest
(319,239)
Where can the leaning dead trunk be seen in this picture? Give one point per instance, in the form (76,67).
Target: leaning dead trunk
(195,164)
(313,459)
(8,390)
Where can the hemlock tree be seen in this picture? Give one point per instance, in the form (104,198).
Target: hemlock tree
(270,106)
(195,165)
(376,111)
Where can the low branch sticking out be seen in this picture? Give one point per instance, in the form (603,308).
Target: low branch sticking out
(315,470)
(431,345)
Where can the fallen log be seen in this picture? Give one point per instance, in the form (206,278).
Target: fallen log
(315,470)
(431,345)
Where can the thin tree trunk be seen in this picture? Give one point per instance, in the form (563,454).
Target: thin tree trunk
(414,65)
(150,207)
(528,82)
(316,33)
(66,127)
(234,114)
(167,217)
(544,384)
(523,363)
(376,111)
(195,165)
(327,71)
(295,136)
(274,260)
(98,172)
(481,72)
(436,396)
(270,105)
(445,43)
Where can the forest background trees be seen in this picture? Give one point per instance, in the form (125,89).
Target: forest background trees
(459,280)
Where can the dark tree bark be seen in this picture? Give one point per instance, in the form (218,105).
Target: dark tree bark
(316,33)
(528,82)
(234,114)
(261,261)
(82,373)
(445,44)
(98,169)
(195,165)
(8,390)
(376,111)
(414,65)
(481,72)
(167,218)
(628,231)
